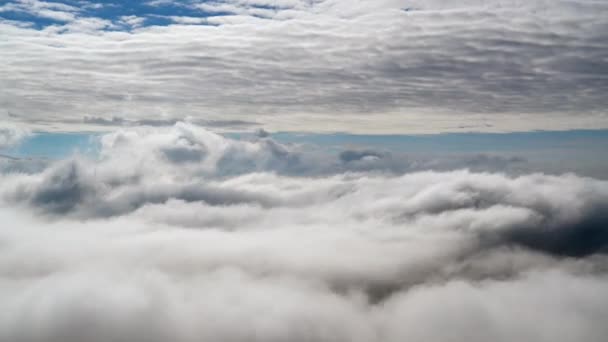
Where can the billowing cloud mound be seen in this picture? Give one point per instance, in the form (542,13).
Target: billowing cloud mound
(179,234)
(11,135)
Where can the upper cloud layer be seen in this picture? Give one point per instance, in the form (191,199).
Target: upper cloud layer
(181,234)
(323,65)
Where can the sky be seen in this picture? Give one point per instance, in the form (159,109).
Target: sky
(304,170)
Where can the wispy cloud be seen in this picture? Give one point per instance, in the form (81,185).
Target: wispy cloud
(50,10)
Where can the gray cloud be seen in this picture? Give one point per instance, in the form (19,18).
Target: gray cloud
(326,65)
(10,164)
(353,155)
(118,121)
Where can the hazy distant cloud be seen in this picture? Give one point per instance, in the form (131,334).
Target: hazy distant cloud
(15,165)
(324,65)
(352,155)
(118,121)
(114,121)
(262,133)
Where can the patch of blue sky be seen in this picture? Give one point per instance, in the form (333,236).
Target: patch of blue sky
(462,142)
(33,20)
(113,10)
(154,13)
(574,143)
(56,145)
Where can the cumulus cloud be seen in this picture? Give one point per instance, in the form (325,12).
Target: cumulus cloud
(184,235)
(11,135)
(416,66)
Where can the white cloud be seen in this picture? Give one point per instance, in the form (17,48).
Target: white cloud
(11,135)
(184,20)
(43,9)
(181,234)
(132,20)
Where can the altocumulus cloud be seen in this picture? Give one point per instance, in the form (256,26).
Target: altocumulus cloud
(414,66)
(226,240)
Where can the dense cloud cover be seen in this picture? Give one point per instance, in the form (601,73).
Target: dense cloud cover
(175,233)
(322,65)
(180,234)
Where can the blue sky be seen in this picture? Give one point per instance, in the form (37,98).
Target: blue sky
(557,152)
(54,145)
(59,145)
(150,13)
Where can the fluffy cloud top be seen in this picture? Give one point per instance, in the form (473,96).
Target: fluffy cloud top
(412,66)
(11,135)
(184,235)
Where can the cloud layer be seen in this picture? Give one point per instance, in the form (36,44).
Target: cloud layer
(410,66)
(184,235)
